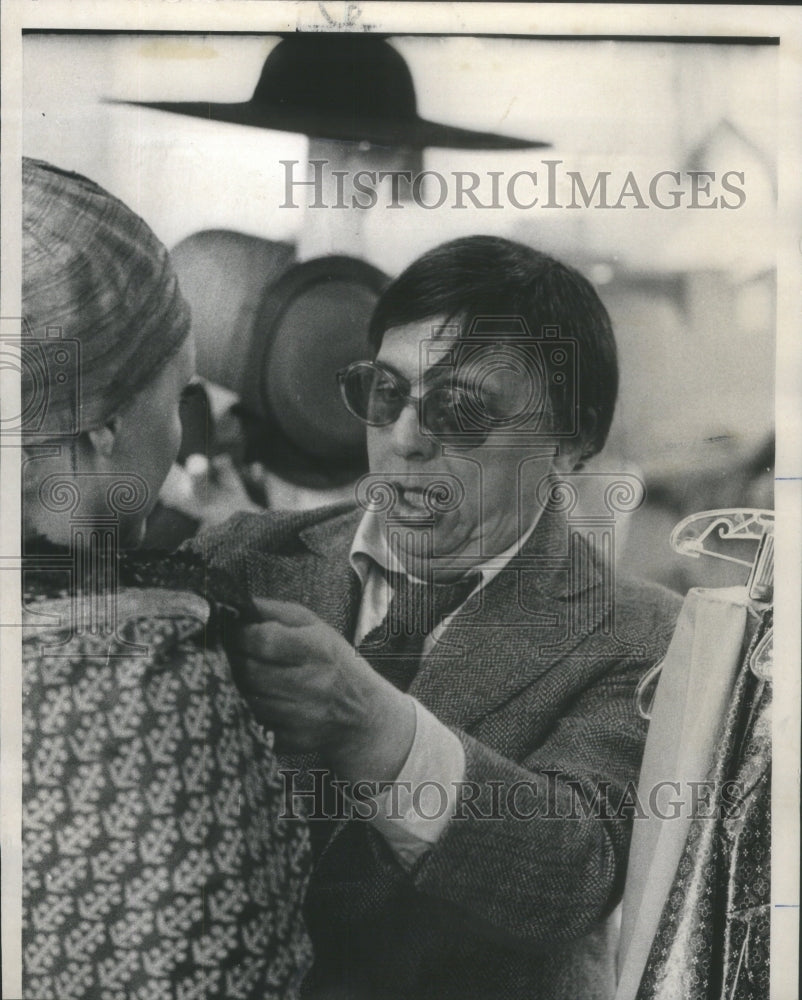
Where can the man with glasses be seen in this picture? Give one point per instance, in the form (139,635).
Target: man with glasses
(457,665)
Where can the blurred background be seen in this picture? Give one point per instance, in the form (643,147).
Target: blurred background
(691,292)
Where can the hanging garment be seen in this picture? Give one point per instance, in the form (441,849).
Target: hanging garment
(696,908)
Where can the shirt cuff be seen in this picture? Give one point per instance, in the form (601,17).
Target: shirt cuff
(413,810)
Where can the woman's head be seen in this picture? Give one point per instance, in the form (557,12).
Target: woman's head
(110,351)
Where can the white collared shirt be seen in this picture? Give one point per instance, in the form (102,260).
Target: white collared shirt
(411,823)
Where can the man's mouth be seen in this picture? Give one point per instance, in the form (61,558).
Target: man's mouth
(412,497)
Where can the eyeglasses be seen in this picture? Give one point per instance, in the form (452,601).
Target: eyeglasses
(451,413)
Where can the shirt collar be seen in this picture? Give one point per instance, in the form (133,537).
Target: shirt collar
(369,547)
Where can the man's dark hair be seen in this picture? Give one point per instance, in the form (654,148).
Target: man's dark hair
(487,276)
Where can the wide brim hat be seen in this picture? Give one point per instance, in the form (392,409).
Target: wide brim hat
(348,87)
(276,332)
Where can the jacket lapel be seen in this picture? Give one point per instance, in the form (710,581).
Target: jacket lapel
(320,577)
(330,587)
(519,627)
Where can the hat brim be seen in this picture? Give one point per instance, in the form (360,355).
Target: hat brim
(266,442)
(415,133)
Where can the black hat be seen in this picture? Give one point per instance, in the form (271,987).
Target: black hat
(351,87)
(276,331)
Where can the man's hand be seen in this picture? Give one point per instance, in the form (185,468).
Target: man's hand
(308,684)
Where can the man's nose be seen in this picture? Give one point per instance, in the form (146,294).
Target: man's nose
(408,440)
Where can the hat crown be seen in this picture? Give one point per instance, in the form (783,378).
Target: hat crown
(358,76)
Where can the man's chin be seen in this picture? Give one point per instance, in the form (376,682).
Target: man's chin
(422,556)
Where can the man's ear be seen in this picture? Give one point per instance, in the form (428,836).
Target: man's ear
(101,440)
(575,451)
(569,457)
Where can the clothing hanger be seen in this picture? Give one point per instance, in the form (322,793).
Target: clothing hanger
(696,536)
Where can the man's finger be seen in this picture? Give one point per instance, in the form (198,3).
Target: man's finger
(269,642)
(274,685)
(286,612)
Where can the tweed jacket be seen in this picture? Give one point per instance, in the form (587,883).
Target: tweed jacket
(537,678)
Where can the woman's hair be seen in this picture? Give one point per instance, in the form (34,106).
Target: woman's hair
(500,283)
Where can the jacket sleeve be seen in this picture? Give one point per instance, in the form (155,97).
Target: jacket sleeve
(537,850)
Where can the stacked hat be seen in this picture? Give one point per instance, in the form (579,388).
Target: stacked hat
(275,332)
(101,304)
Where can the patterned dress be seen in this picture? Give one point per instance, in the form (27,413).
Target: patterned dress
(156,862)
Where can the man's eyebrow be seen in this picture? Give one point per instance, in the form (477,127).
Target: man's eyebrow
(458,378)
(440,371)
(393,371)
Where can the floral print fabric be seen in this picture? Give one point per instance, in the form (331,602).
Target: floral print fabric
(156,864)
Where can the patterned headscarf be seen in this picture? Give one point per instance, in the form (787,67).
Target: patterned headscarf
(95,276)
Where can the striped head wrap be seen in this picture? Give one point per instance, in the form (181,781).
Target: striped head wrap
(96,276)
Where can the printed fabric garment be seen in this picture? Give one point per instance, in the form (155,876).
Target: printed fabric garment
(712,942)
(156,865)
